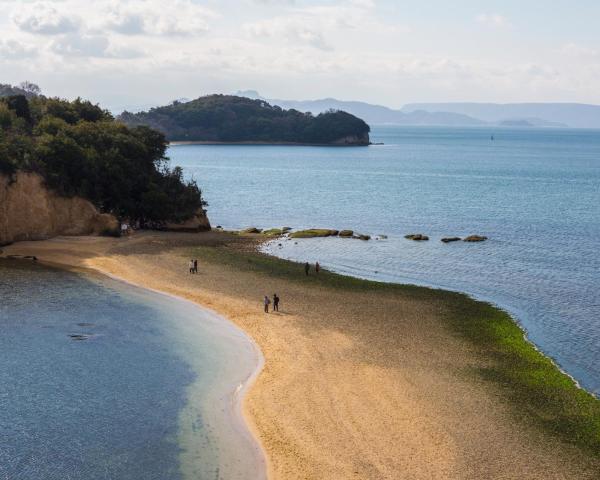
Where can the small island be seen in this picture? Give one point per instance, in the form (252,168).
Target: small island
(230,119)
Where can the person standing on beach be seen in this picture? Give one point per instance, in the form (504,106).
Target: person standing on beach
(195,266)
(306,268)
(275,303)
(267,302)
(317,268)
(191,265)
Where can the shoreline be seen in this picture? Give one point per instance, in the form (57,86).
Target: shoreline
(176,143)
(511,312)
(241,422)
(416,372)
(235,398)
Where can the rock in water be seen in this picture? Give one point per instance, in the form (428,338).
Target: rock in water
(475,238)
(314,232)
(419,237)
(450,239)
(346,233)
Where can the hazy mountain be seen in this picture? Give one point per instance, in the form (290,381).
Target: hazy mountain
(374,114)
(550,114)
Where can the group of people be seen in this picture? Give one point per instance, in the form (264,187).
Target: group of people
(307,268)
(193,265)
(267,302)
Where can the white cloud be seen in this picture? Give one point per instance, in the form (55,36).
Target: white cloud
(155,17)
(293,30)
(94,46)
(43,18)
(14,50)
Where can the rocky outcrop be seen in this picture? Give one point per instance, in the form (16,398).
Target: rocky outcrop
(360,140)
(30,211)
(475,238)
(314,232)
(419,237)
(198,223)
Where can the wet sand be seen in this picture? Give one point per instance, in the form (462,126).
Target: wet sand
(356,384)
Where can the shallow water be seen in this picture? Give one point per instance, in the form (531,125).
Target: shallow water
(147,392)
(534,192)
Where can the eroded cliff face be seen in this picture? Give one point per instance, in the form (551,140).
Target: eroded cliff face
(29,211)
(198,223)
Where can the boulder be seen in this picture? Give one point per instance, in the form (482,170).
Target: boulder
(314,232)
(417,237)
(363,237)
(450,239)
(346,233)
(475,238)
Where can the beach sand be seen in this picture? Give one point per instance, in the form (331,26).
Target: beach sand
(356,384)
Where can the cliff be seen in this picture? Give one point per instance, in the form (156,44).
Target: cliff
(198,223)
(29,211)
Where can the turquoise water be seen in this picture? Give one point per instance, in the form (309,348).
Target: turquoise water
(146,393)
(534,192)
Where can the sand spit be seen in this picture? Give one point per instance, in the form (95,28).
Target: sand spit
(356,384)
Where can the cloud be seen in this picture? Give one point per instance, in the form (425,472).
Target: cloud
(576,50)
(154,17)
(493,20)
(293,30)
(43,18)
(94,46)
(14,50)
(127,23)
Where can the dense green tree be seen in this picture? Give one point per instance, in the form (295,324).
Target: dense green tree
(80,150)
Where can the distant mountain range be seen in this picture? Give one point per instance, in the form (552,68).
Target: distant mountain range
(455,114)
(577,115)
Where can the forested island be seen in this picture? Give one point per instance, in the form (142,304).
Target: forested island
(233,119)
(80,150)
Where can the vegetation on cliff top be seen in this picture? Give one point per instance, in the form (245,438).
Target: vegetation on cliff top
(81,150)
(228,118)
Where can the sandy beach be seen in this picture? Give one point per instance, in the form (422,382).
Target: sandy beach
(357,383)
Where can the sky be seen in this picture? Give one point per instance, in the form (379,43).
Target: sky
(135,53)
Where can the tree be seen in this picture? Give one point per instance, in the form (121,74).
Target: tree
(30,88)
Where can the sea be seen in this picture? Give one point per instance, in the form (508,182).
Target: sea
(535,193)
(100,380)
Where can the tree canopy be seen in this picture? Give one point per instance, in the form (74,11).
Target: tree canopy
(81,150)
(228,118)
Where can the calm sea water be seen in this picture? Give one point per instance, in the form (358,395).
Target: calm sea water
(534,192)
(147,395)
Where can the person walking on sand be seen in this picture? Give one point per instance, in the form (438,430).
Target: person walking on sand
(267,302)
(275,303)
(306,268)
(191,265)
(195,266)
(317,268)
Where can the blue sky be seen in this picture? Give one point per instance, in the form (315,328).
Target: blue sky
(130,53)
